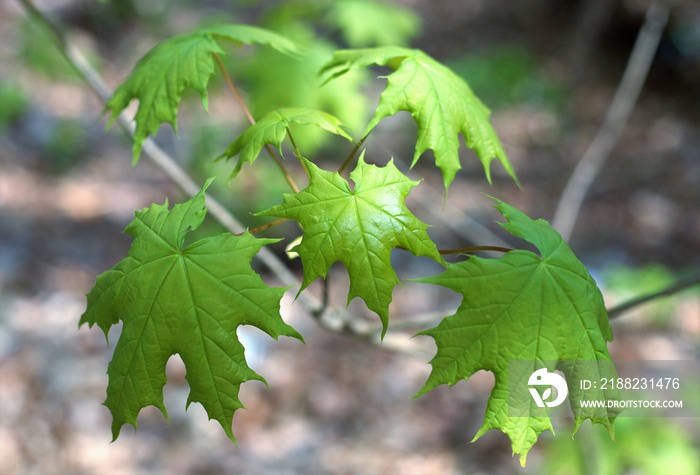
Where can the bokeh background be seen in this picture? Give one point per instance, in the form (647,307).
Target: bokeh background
(341,404)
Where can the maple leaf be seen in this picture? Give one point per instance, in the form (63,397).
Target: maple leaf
(543,311)
(442,104)
(357,227)
(160,78)
(187,301)
(272,129)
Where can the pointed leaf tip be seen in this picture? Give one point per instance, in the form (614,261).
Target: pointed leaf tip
(520,311)
(161,76)
(358,227)
(442,104)
(272,130)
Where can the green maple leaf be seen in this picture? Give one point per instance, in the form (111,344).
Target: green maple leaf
(357,227)
(160,78)
(524,311)
(441,103)
(272,129)
(187,301)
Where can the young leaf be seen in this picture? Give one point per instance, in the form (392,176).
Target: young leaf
(441,103)
(187,301)
(301,86)
(272,129)
(373,23)
(522,307)
(357,227)
(160,78)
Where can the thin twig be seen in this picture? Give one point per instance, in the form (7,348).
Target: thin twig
(419,321)
(251,119)
(263,227)
(682,284)
(615,120)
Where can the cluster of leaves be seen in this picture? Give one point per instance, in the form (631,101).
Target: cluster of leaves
(353,23)
(190,300)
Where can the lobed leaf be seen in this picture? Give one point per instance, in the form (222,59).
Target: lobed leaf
(272,129)
(188,301)
(442,104)
(524,308)
(160,78)
(357,227)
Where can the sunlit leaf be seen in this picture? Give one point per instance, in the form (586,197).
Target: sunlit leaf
(272,129)
(524,308)
(358,227)
(441,103)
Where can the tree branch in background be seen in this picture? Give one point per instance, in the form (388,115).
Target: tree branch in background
(594,17)
(615,120)
(682,284)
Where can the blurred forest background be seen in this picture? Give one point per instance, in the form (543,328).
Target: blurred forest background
(342,405)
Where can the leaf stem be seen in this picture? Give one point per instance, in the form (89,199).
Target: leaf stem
(351,156)
(297,152)
(462,250)
(251,119)
(234,89)
(265,226)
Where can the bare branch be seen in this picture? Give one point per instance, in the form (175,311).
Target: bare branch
(615,120)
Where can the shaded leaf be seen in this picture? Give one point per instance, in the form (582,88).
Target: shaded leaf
(357,227)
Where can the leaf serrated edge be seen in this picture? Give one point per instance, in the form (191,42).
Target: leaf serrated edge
(124,95)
